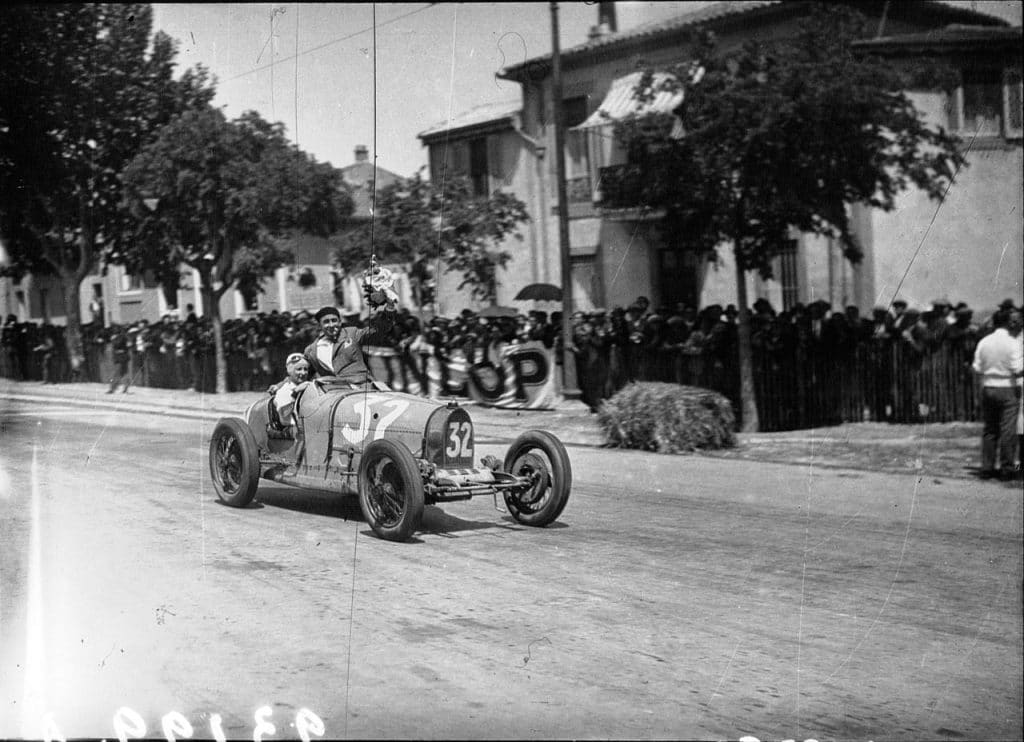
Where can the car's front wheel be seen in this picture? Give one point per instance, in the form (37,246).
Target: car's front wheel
(234,462)
(541,459)
(390,490)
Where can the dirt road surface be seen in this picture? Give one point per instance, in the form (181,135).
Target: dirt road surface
(677,597)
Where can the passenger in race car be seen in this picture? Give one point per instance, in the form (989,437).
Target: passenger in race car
(284,398)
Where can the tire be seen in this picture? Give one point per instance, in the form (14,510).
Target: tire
(390,490)
(234,462)
(540,455)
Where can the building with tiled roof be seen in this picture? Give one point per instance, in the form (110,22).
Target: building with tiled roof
(730,17)
(616,250)
(478,119)
(361,177)
(953,38)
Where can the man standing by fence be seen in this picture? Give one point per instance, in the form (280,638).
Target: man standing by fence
(998,361)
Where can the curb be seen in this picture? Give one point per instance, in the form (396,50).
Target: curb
(492,430)
(116,406)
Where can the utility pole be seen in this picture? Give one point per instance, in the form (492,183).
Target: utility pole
(570,389)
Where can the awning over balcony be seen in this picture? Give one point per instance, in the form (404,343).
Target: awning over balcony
(620,104)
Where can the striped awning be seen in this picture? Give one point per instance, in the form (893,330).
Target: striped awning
(620,104)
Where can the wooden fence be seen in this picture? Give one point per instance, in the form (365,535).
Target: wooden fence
(869,382)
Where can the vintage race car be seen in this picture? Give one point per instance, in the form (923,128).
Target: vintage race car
(396,451)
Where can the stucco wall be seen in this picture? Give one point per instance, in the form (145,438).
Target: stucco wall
(971,247)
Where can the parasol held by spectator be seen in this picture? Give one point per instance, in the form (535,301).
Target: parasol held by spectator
(540,292)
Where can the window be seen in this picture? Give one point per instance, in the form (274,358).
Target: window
(130,282)
(247,300)
(479,173)
(788,275)
(679,276)
(169,297)
(987,103)
(586,281)
(577,151)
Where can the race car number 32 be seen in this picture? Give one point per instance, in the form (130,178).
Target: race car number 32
(460,441)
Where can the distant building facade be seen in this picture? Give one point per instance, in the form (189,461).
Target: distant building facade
(123,298)
(487,144)
(617,249)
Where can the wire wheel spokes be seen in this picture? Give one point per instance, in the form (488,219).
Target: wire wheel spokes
(387,498)
(535,468)
(229,463)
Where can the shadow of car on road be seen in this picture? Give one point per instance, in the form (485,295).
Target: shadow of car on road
(313,502)
(436,521)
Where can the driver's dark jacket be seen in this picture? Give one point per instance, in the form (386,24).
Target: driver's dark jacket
(348,363)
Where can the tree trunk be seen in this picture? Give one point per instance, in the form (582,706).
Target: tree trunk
(70,283)
(211,305)
(748,398)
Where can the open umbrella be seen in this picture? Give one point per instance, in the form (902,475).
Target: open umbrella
(496,311)
(540,292)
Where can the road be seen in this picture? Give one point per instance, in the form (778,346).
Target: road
(677,597)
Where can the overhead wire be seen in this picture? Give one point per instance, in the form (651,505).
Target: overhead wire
(373,217)
(444,156)
(334,41)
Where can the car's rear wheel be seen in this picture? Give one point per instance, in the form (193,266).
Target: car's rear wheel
(390,490)
(541,458)
(234,462)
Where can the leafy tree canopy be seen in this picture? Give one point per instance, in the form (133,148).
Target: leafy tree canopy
(422,223)
(787,133)
(80,91)
(220,195)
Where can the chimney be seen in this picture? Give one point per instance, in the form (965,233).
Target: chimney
(606,16)
(362,153)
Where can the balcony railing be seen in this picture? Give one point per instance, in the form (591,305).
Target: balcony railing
(578,190)
(621,187)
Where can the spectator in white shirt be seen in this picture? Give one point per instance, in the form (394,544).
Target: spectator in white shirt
(999,362)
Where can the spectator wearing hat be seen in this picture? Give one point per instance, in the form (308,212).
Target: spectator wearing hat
(999,363)
(894,314)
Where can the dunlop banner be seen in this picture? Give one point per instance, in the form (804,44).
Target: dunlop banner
(515,376)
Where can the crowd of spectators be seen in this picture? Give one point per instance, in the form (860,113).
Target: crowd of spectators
(686,345)
(680,344)
(179,353)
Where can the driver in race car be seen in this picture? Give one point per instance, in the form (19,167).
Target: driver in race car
(339,349)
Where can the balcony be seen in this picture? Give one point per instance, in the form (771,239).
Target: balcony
(621,187)
(578,190)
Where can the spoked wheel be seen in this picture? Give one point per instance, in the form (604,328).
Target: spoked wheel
(390,490)
(234,462)
(541,459)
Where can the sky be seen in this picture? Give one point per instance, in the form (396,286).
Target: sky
(334,82)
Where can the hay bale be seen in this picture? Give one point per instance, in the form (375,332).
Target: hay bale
(668,418)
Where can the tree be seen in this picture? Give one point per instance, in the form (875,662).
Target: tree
(220,196)
(419,223)
(79,94)
(784,135)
